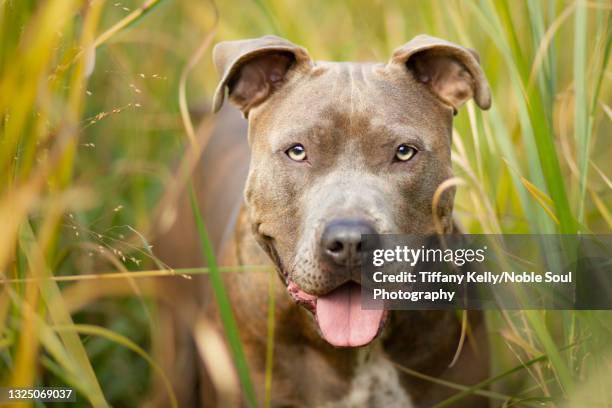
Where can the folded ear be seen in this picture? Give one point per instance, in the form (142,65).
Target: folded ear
(450,71)
(253,69)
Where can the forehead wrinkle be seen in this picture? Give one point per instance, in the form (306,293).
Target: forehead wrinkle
(351,100)
(336,84)
(357,85)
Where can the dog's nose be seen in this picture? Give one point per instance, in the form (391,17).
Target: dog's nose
(341,241)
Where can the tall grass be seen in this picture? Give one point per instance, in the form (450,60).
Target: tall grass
(90,125)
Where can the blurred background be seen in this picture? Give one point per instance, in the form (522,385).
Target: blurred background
(99,101)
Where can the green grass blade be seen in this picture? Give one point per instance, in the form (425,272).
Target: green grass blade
(270,341)
(581,104)
(125,342)
(540,329)
(128,21)
(453,385)
(59,314)
(498,377)
(538,136)
(225,308)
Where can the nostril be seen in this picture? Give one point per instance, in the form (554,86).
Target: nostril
(341,241)
(335,247)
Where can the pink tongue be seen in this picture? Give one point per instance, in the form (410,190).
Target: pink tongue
(342,321)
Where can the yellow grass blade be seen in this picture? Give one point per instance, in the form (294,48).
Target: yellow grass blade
(544,200)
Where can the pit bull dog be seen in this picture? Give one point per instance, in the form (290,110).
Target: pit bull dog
(338,150)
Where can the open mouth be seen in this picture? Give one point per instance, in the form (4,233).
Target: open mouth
(341,319)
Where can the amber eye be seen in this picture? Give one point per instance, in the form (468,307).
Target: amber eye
(405,152)
(296,152)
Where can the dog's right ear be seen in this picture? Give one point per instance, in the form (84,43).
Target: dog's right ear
(253,69)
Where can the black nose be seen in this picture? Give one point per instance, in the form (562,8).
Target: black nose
(341,241)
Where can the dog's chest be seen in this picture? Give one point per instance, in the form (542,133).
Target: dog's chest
(376,384)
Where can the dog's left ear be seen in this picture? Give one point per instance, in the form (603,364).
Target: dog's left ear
(255,68)
(450,71)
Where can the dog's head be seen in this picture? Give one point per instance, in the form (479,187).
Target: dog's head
(344,149)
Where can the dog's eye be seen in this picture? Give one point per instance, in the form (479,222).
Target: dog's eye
(296,152)
(405,152)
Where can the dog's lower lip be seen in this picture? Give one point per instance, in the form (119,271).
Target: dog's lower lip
(301,297)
